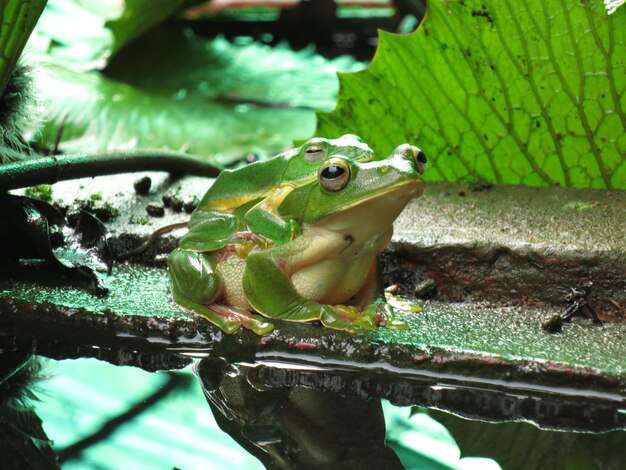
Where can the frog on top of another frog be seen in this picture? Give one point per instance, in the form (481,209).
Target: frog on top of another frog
(247,199)
(296,237)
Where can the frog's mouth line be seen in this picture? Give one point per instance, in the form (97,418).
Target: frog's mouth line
(418,189)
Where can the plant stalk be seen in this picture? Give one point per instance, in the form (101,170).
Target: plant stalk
(49,170)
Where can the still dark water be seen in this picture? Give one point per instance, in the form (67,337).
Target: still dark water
(288,427)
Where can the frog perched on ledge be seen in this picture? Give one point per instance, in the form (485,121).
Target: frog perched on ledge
(296,238)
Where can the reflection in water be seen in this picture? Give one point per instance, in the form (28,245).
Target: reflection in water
(294,427)
(277,414)
(479,398)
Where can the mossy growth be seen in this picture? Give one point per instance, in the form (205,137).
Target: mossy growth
(42,192)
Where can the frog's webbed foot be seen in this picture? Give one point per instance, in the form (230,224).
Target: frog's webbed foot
(354,320)
(347,318)
(228,319)
(255,323)
(384,315)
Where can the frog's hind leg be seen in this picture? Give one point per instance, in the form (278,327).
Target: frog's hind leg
(226,324)
(227,318)
(245,318)
(196,286)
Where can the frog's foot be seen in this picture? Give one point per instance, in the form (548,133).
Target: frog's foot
(255,323)
(384,316)
(347,318)
(228,319)
(250,241)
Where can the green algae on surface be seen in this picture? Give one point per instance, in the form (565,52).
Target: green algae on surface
(511,333)
(134,290)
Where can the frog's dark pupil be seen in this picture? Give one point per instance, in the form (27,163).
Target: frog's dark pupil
(421,157)
(313,150)
(332,172)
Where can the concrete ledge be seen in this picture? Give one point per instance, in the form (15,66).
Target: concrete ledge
(517,250)
(510,244)
(514,244)
(454,357)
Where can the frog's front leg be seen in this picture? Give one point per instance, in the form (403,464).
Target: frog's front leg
(208,231)
(270,291)
(264,219)
(371,300)
(196,286)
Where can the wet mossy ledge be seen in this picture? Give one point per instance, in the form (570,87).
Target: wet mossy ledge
(451,351)
(486,267)
(510,245)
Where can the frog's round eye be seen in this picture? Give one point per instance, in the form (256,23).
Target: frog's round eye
(314,153)
(334,174)
(421,160)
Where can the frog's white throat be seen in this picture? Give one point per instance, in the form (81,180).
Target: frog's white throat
(370,217)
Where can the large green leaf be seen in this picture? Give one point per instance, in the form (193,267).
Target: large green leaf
(17,20)
(173,61)
(138,17)
(81,396)
(519,445)
(530,92)
(97,113)
(83,34)
(210,97)
(72,33)
(421,442)
(170,88)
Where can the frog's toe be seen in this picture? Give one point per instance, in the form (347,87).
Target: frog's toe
(355,328)
(385,316)
(396,324)
(345,318)
(331,319)
(366,320)
(228,326)
(225,323)
(242,317)
(380,314)
(258,325)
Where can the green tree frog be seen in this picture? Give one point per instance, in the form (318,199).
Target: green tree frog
(248,198)
(297,238)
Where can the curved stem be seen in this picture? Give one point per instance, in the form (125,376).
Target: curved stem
(49,170)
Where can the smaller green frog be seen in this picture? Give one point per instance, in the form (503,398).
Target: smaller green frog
(247,199)
(298,248)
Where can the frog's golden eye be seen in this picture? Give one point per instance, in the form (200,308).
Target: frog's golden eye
(334,174)
(421,161)
(314,153)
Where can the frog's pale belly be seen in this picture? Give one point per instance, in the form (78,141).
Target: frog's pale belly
(231,271)
(333,281)
(338,277)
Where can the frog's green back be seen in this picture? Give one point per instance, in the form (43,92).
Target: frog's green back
(295,167)
(234,188)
